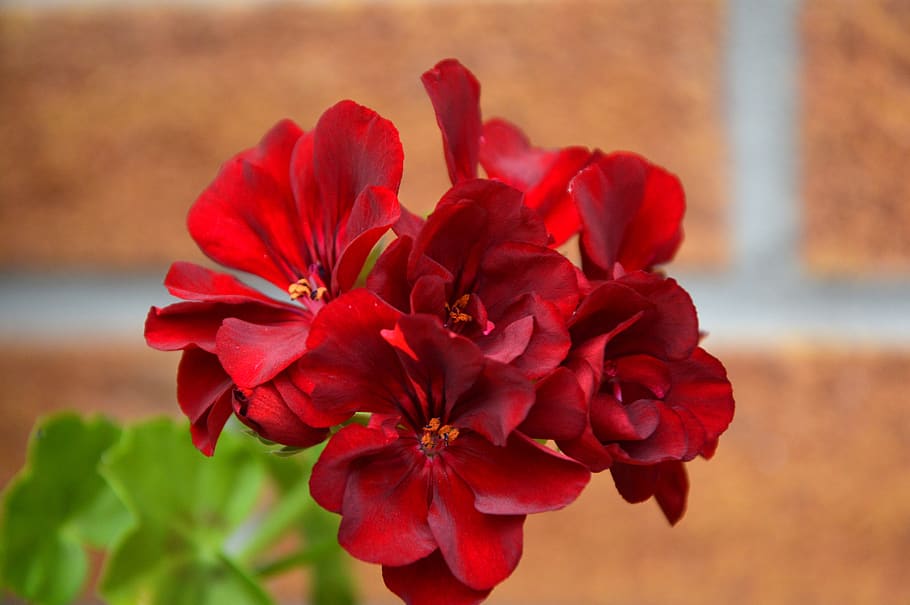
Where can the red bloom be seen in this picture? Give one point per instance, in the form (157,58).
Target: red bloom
(481,265)
(654,396)
(302,210)
(441,466)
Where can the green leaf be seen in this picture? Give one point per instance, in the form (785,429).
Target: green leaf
(57,504)
(188,507)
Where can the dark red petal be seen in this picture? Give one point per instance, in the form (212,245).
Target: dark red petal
(375,210)
(455,94)
(671,490)
(588,450)
(389,277)
(430,581)
(613,421)
(643,313)
(669,326)
(441,365)
(544,347)
(634,483)
(247,218)
(507,219)
(345,449)
(521,478)
(496,403)
(559,410)
(349,367)
(204,395)
(408,224)
(264,410)
(631,213)
(253,354)
(700,385)
(669,441)
(353,148)
(384,510)
(667,481)
(651,373)
(513,269)
(481,550)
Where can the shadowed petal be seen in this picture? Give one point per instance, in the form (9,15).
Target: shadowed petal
(204,395)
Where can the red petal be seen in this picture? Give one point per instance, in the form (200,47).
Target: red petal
(671,490)
(700,385)
(384,511)
(204,395)
(496,404)
(455,94)
(352,148)
(481,550)
(389,277)
(441,365)
(631,213)
(374,211)
(264,410)
(521,478)
(543,175)
(253,354)
(329,479)
(559,410)
(247,218)
(613,421)
(430,580)
(192,282)
(348,366)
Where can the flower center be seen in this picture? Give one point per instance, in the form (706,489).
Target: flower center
(436,436)
(456,312)
(303,287)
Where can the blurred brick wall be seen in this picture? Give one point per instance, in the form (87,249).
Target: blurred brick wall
(113,120)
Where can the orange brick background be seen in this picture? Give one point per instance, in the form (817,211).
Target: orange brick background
(113,119)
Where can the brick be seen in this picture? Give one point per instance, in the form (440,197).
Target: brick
(806,501)
(118,118)
(856,135)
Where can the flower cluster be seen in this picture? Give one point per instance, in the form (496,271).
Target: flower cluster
(491,375)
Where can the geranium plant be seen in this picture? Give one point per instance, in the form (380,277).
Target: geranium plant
(421,385)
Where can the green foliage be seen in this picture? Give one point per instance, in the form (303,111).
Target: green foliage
(179,528)
(56,505)
(187,506)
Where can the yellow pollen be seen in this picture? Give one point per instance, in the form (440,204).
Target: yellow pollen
(302,287)
(436,435)
(456,311)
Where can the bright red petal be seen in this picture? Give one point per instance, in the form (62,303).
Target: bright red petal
(247,218)
(253,353)
(375,210)
(455,94)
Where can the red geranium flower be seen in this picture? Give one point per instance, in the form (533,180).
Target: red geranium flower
(481,264)
(655,398)
(441,468)
(301,210)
